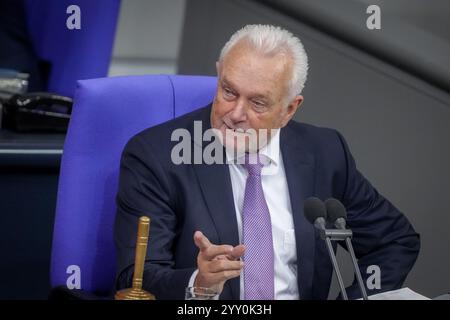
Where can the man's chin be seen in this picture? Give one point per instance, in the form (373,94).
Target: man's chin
(240,146)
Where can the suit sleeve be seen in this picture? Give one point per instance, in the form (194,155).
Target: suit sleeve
(144,189)
(383,236)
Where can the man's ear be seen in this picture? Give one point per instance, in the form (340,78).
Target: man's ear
(292,109)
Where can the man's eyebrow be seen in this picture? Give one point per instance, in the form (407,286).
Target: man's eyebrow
(260,96)
(227,83)
(264,98)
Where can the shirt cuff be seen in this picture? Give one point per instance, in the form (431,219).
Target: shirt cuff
(192,280)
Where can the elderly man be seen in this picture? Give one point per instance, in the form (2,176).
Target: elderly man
(237,225)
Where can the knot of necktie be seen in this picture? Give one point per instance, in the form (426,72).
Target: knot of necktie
(254,163)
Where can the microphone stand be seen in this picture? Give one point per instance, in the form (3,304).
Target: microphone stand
(340,235)
(336,267)
(356,267)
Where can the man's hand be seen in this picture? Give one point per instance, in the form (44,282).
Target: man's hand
(216,263)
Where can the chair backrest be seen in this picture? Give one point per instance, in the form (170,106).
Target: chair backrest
(107,112)
(73,53)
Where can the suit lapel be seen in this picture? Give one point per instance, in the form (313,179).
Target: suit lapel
(299,169)
(215,183)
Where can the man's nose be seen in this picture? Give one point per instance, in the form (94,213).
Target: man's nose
(239,112)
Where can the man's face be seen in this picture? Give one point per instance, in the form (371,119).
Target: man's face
(251,94)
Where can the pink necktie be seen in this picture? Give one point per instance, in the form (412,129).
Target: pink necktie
(257,235)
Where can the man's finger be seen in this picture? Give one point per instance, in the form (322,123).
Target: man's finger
(225,275)
(214,251)
(224,265)
(201,241)
(238,252)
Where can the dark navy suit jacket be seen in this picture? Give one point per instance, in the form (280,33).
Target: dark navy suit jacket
(181,199)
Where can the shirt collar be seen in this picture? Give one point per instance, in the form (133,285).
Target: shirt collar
(270,150)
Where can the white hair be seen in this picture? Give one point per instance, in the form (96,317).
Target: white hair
(271,40)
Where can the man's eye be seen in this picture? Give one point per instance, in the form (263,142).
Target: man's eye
(259,104)
(228,94)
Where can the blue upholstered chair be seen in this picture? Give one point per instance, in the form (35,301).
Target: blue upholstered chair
(107,112)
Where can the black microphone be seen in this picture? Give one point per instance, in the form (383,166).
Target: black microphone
(316,213)
(337,214)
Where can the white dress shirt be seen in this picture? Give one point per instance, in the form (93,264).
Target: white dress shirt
(276,193)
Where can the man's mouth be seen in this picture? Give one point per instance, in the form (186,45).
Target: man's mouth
(236,130)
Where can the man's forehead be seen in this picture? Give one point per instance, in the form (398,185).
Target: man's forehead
(247,59)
